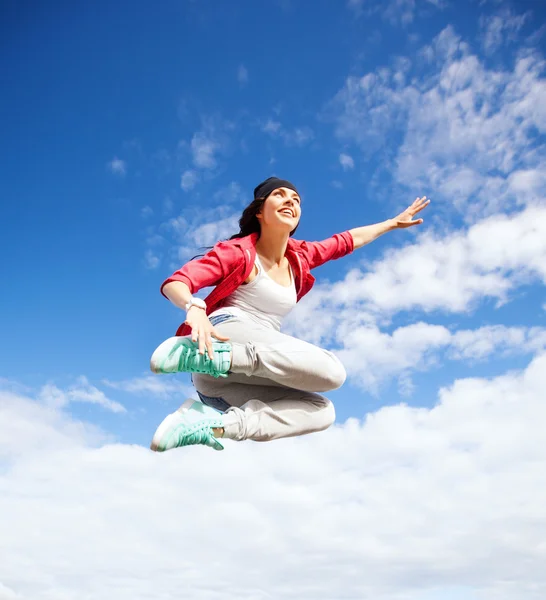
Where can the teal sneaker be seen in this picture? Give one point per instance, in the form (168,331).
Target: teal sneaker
(180,354)
(191,424)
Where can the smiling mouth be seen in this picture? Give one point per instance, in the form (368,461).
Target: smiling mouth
(287,212)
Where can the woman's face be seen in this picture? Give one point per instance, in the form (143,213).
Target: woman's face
(281,210)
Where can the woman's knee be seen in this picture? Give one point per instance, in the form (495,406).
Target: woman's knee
(334,374)
(327,416)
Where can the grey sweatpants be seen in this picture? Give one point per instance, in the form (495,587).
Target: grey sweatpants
(271,391)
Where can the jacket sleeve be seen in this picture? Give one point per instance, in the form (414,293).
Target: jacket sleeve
(335,247)
(202,272)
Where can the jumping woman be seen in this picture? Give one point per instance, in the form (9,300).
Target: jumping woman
(254,382)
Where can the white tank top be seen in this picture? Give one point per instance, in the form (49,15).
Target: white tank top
(263,300)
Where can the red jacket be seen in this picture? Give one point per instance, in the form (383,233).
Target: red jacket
(229,263)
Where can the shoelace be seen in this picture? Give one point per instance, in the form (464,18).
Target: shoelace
(202,435)
(192,361)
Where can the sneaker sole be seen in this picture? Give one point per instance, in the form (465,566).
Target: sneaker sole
(165,424)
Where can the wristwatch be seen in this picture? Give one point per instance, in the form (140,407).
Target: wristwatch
(196,302)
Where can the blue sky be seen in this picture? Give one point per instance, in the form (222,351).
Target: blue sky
(133,134)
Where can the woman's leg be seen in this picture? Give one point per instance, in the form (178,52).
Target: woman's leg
(254,351)
(276,357)
(269,393)
(264,412)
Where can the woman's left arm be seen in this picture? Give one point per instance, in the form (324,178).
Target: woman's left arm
(369,233)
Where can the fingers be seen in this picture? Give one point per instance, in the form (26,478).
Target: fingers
(205,343)
(202,341)
(202,332)
(219,336)
(210,334)
(208,342)
(205,340)
(420,203)
(200,335)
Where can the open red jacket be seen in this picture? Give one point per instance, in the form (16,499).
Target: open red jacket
(229,263)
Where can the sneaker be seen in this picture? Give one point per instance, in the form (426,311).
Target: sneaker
(181,354)
(191,424)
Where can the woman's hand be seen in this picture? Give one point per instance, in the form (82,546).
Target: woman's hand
(202,330)
(405,219)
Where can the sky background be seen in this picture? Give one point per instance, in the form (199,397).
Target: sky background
(133,134)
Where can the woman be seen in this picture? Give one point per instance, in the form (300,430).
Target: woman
(255,382)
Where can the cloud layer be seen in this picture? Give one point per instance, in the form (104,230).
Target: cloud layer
(410,503)
(468,131)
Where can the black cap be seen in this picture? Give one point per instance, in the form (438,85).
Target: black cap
(269,185)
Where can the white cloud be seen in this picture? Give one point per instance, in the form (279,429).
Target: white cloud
(448,271)
(35,428)
(406,386)
(271,126)
(207,144)
(198,227)
(371,356)
(451,272)
(467,129)
(454,134)
(208,234)
(400,11)
(203,148)
(242,75)
(346,162)
(297,136)
(178,225)
(155,240)
(157,386)
(410,504)
(397,12)
(189,180)
(498,29)
(369,106)
(528,185)
(231,194)
(82,391)
(496,340)
(118,166)
(146,212)
(151,259)
(14,386)
(8,594)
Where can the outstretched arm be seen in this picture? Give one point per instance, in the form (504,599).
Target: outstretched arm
(369,233)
